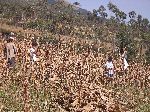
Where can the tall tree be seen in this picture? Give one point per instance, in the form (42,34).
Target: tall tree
(120,15)
(95,13)
(102,12)
(132,21)
(139,20)
(132,14)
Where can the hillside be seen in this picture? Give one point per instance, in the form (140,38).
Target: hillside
(58,83)
(65,19)
(121,104)
(69,74)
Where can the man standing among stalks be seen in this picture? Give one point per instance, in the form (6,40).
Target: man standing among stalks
(10,51)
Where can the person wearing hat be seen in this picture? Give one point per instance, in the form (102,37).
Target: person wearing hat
(10,52)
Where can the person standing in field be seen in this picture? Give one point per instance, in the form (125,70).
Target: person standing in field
(124,58)
(109,67)
(10,52)
(32,50)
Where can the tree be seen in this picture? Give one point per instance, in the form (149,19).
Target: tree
(147,56)
(120,15)
(102,12)
(139,20)
(132,14)
(76,3)
(95,13)
(145,22)
(124,40)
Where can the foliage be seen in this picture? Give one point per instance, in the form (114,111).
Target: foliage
(125,41)
(147,56)
(144,108)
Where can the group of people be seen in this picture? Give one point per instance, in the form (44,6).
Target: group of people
(82,76)
(110,66)
(10,51)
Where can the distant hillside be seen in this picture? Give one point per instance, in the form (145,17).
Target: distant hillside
(27,2)
(54,1)
(82,11)
(20,2)
(51,1)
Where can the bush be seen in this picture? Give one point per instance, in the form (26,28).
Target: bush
(123,40)
(147,56)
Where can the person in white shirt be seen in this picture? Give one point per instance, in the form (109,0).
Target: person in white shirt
(33,53)
(124,58)
(109,67)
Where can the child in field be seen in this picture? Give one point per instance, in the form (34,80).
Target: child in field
(109,67)
(33,52)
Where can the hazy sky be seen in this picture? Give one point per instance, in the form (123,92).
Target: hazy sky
(139,6)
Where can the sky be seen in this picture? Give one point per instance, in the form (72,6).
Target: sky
(141,7)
